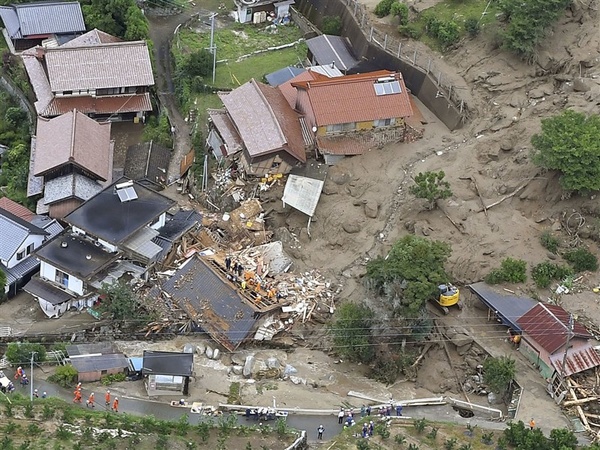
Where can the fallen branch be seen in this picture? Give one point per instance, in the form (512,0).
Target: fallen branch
(506,197)
(423,353)
(459,228)
(478,193)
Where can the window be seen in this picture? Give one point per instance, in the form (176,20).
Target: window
(62,278)
(103,372)
(67,92)
(341,127)
(384,122)
(20,255)
(29,249)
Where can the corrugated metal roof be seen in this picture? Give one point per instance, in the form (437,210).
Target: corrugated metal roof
(50,18)
(509,308)
(141,243)
(578,360)
(302,193)
(328,49)
(352,98)
(548,326)
(282,75)
(168,363)
(11,21)
(98,363)
(121,64)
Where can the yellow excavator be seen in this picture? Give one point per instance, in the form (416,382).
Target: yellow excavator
(449,296)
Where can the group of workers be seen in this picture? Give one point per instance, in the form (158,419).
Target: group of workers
(21,376)
(250,281)
(91,401)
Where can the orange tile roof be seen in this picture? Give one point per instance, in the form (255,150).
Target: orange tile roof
(352,98)
(99,105)
(15,208)
(289,91)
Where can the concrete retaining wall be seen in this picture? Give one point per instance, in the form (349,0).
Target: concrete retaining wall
(368,48)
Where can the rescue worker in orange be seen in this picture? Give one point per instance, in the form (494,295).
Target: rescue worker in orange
(115,405)
(107,399)
(18,373)
(90,401)
(77,398)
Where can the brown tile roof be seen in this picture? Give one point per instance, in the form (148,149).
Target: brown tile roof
(352,98)
(264,119)
(93,37)
(15,208)
(227,130)
(548,326)
(289,91)
(99,105)
(119,64)
(76,139)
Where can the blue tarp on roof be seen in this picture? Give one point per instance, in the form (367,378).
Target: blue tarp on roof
(283,75)
(136,363)
(509,308)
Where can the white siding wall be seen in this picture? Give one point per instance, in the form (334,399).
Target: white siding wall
(160,222)
(109,247)
(78,231)
(34,239)
(48,271)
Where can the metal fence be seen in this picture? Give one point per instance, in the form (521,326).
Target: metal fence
(406,53)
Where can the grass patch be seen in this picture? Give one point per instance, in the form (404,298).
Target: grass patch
(454,11)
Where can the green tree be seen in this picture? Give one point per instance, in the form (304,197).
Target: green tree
(410,274)
(19,353)
(351,331)
(120,302)
(332,25)
(431,186)
(2,284)
(383,8)
(15,116)
(199,63)
(64,376)
(569,144)
(498,373)
(400,10)
(121,18)
(563,439)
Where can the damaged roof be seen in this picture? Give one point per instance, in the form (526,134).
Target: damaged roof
(149,162)
(214,305)
(302,193)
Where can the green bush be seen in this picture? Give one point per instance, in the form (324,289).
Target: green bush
(582,260)
(549,242)
(400,10)
(544,273)
(446,33)
(510,271)
(19,353)
(472,26)
(410,31)
(158,130)
(384,7)
(352,333)
(113,378)
(65,376)
(332,25)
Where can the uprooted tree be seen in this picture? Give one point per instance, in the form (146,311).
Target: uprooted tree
(410,274)
(569,144)
(119,301)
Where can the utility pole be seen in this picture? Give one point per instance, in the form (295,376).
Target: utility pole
(569,336)
(31,378)
(213,47)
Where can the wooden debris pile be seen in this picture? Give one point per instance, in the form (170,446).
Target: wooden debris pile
(582,399)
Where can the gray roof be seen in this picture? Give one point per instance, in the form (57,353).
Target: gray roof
(39,82)
(13,231)
(86,349)
(26,266)
(75,255)
(282,75)
(165,245)
(35,185)
(147,161)
(52,294)
(10,278)
(98,363)
(302,193)
(119,64)
(118,220)
(141,243)
(68,186)
(328,49)
(168,363)
(213,304)
(43,18)
(509,308)
(92,37)
(49,225)
(181,222)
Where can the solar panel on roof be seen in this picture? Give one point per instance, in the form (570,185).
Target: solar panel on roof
(127,194)
(387,87)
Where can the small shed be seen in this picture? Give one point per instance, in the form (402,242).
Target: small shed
(168,373)
(94,361)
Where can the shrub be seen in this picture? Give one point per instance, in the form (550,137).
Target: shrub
(352,333)
(400,439)
(510,271)
(472,26)
(400,10)
(362,444)
(383,7)
(113,378)
(446,33)
(65,376)
(431,186)
(420,425)
(410,31)
(545,272)
(332,25)
(582,260)
(450,444)
(498,373)
(549,242)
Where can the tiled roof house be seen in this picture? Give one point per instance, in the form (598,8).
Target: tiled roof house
(97,74)
(341,108)
(258,120)
(41,23)
(70,161)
